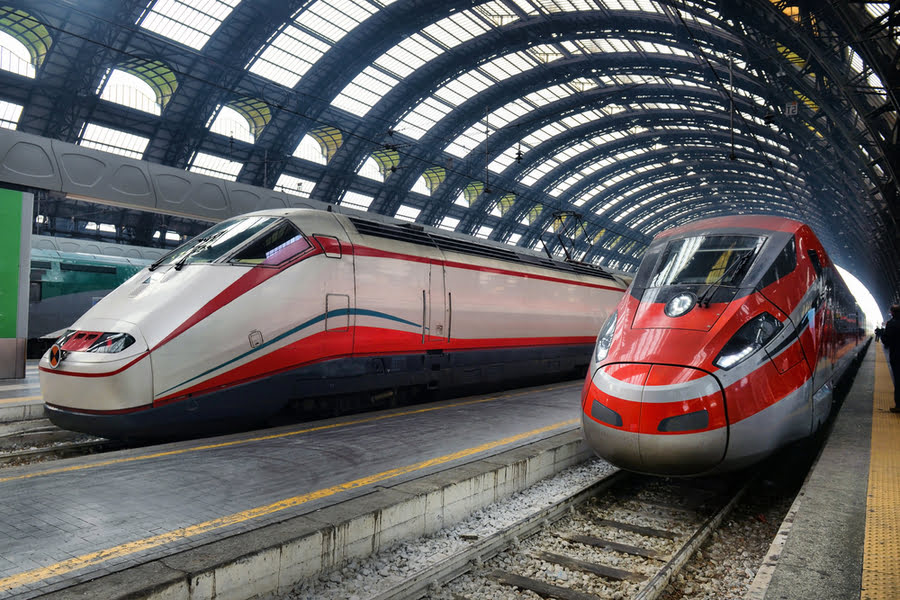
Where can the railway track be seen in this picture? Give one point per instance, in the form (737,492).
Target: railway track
(624,536)
(27,442)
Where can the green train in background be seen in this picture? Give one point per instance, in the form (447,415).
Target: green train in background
(64,285)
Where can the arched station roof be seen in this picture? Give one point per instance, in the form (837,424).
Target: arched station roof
(586,126)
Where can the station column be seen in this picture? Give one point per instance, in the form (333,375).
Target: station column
(15,267)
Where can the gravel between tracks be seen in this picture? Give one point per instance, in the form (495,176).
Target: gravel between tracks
(723,569)
(360,579)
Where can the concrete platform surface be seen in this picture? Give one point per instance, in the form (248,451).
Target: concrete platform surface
(251,514)
(839,539)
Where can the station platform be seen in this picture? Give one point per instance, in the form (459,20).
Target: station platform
(841,537)
(20,399)
(249,515)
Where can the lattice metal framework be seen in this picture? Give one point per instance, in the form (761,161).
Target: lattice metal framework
(584,125)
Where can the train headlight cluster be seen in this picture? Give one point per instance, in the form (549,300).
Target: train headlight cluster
(604,340)
(752,336)
(94,341)
(680,304)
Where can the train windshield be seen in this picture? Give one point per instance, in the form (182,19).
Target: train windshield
(706,259)
(217,241)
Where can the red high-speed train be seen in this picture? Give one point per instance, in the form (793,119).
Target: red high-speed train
(725,348)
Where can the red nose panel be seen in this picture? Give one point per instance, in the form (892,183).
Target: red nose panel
(672,405)
(651,315)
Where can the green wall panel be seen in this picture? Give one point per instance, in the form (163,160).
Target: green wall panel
(10,245)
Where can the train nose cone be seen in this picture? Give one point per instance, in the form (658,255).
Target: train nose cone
(656,418)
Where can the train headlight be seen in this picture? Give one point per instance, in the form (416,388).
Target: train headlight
(110,343)
(680,304)
(604,340)
(94,341)
(752,336)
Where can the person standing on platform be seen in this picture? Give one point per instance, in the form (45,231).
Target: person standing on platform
(890,337)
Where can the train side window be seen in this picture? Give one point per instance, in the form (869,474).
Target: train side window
(785,263)
(814,258)
(274,247)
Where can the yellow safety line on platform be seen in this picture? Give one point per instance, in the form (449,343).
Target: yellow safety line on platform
(20,399)
(881,558)
(119,461)
(100,557)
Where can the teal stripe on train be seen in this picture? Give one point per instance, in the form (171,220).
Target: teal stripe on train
(330,314)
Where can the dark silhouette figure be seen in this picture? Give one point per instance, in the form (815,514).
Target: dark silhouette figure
(890,337)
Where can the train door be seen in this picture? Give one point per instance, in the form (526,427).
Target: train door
(814,328)
(338,302)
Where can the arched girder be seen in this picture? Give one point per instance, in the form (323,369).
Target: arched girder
(558,72)
(516,36)
(554,145)
(638,221)
(622,188)
(687,198)
(621,196)
(210,77)
(715,190)
(308,105)
(823,61)
(686,153)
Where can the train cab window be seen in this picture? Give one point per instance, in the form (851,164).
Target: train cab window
(784,264)
(274,246)
(217,241)
(706,259)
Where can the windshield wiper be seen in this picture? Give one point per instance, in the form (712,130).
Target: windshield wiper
(202,244)
(704,298)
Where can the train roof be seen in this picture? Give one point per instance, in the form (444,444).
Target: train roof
(414,233)
(757,222)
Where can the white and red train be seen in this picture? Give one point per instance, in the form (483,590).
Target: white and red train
(725,348)
(278,305)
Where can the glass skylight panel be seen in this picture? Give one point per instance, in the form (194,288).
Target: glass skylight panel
(506,158)
(231,123)
(421,187)
(483,232)
(131,91)
(407,213)
(294,185)
(407,56)
(456,29)
(506,66)
(364,91)
(334,19)
(14,56)
(9,114)
(877,9)
(514,239)
(309,149)
(370,170)
(216,166)
(188,22)
(543,134)
(538,172)
(418,121)
(356,200)
(113,140)
(464,87)
(448,223)
(289,56)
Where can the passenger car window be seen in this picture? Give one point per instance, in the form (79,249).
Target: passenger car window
(274,247)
